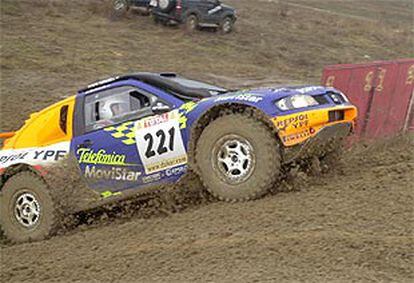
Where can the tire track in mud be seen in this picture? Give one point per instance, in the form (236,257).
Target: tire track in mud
(353,223)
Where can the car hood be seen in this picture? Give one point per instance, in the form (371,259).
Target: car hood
(227,7)
(281,91)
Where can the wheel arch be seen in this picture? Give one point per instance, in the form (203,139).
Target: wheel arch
(228,14)
(17,168)
(193,12)
(224,109)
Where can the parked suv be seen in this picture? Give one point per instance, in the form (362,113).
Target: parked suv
(195,13)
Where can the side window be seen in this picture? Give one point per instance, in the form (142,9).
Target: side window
(63,118)
(115,106)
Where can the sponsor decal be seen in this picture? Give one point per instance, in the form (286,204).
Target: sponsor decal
(242,97)
(108,194)
(166,163)
(296,137)
(159,142)
(176,171)
(114,173)
(308,89)
(151,178)
(13,157)
(101,84)
(89,156)
(296,121)
(34,156)
(156,120)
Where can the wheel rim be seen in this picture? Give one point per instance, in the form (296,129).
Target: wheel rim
(226,26)
(163,4)
(119,5)
(192,23)
(27,210)
(233,159)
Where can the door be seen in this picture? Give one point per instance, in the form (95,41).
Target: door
(210,11)
(106,150)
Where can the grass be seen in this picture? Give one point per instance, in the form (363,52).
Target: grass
(49,49)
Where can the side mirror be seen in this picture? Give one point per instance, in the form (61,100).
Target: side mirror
(160,108)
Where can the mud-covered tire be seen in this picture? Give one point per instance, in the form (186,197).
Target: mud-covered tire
(191,23)
(226,25)
(263,146)
(26,185)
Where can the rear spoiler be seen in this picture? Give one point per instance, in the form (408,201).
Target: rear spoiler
(7,135)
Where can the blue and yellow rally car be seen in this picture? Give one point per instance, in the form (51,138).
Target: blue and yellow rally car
(139,131)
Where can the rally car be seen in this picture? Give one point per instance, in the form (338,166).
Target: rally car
(136,132)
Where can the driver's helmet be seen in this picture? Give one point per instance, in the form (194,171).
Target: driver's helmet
(113,108)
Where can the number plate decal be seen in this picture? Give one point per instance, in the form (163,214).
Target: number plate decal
(159,142)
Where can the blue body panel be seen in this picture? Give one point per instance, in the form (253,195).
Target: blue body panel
(117,145)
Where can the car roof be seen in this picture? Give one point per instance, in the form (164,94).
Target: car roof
(170,82)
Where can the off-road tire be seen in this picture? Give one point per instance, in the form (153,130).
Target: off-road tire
(266,151)
(15,186)
(118,13)
(168,7)
(226,25)
(191,23)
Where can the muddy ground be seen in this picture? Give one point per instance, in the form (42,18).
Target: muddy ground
(352,224)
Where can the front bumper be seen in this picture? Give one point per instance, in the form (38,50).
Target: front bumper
(307,133)
(327,140)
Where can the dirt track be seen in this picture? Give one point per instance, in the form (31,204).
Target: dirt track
(353,224)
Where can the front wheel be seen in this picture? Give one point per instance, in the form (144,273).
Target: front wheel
(27,211)
(226,25)
(191,23)
(238,158)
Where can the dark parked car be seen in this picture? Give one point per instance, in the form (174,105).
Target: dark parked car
(195,13)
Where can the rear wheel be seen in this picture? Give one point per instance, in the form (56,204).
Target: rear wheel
(191,23)
(27,209)
(238,158)
(166,5)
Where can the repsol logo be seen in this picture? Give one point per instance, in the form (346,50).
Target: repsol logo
(117,174)
(297,121)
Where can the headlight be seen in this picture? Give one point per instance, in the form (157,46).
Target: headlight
(296,101)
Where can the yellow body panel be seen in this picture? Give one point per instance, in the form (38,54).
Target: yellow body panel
(43,128)
(296,128)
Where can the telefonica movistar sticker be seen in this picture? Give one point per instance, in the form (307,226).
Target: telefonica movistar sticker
(89,156)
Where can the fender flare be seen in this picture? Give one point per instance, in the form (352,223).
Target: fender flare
(192,12)
(10,171)
(212,113)
(229,15)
